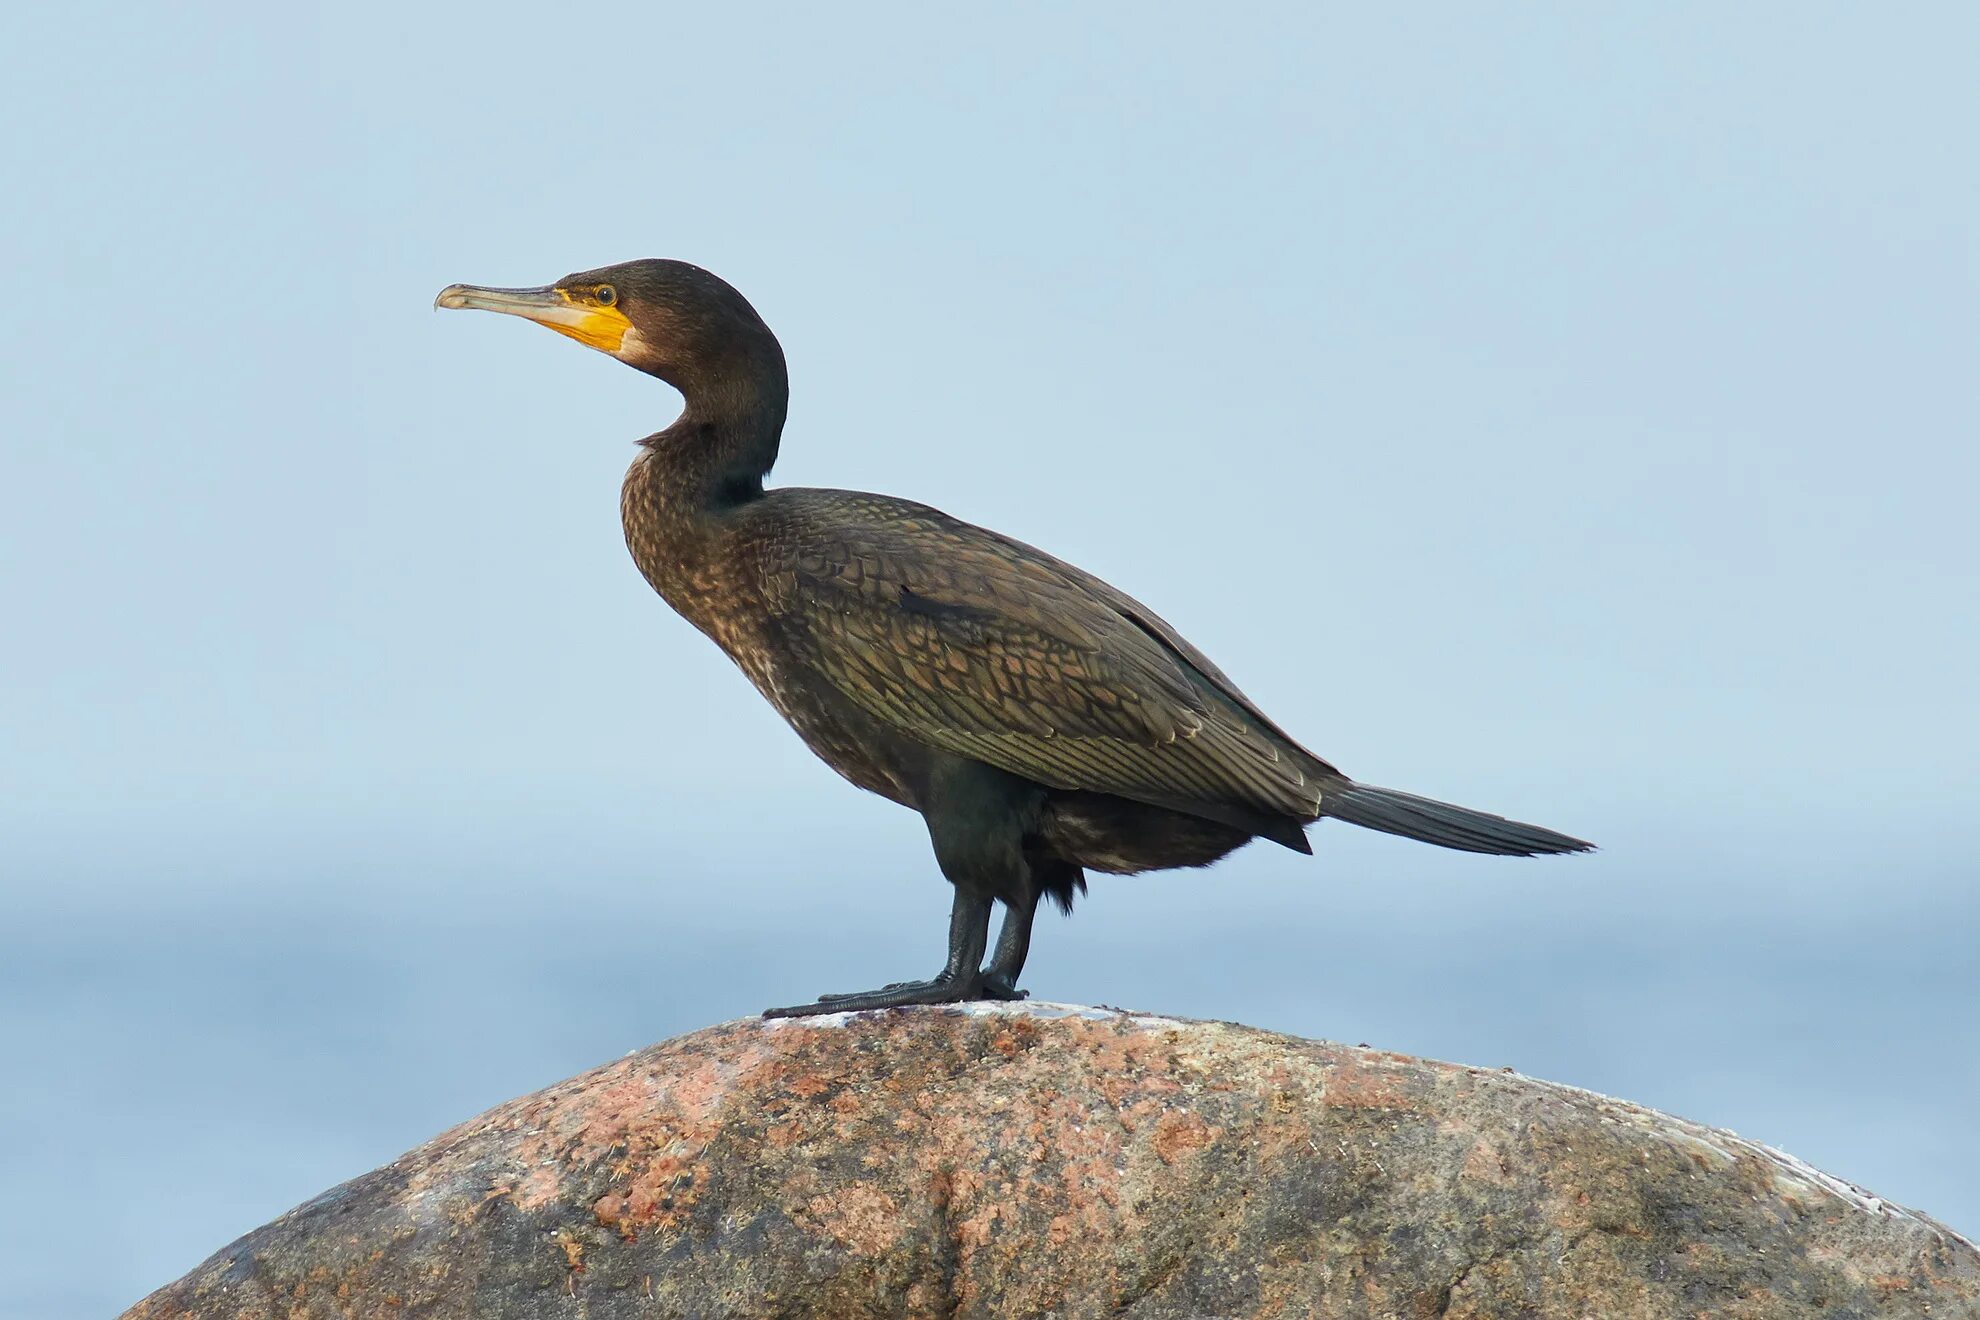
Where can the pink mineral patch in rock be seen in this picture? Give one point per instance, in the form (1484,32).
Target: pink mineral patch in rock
(1178,1135)
(538,1188)
(859,1216)
(1485,1163)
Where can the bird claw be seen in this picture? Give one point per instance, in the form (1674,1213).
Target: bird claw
(995,985)
(902,994)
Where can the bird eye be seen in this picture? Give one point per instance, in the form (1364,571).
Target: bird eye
(607,295)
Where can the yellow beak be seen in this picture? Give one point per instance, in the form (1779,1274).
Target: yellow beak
(602,328)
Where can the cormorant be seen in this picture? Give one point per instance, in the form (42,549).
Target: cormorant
(1043,723)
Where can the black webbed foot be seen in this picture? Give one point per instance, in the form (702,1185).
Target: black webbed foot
(941,990)
(998,986)
(891,985)
(995,986)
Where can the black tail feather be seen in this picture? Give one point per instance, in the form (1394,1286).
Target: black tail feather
(1445,825)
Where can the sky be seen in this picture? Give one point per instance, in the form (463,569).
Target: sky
(1567,412)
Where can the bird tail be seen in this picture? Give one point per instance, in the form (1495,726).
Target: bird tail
(1440,823)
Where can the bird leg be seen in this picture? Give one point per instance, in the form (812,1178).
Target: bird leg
(959,980)
(1013,943)
(977,818)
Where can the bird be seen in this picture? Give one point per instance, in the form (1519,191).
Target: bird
(1043,723)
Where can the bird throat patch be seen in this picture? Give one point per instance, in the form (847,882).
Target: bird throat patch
(602,328)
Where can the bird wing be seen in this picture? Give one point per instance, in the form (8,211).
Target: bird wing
(990,649)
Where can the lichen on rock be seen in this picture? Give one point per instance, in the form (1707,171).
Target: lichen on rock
(1037,1159)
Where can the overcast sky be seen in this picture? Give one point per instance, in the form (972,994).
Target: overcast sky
(1569,413)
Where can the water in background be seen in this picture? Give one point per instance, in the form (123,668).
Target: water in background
(195,1051)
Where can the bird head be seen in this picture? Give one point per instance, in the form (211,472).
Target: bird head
(666,318)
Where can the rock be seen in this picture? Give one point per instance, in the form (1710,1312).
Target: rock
(1039,1160)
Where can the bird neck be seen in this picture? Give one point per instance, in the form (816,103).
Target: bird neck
(718,451)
